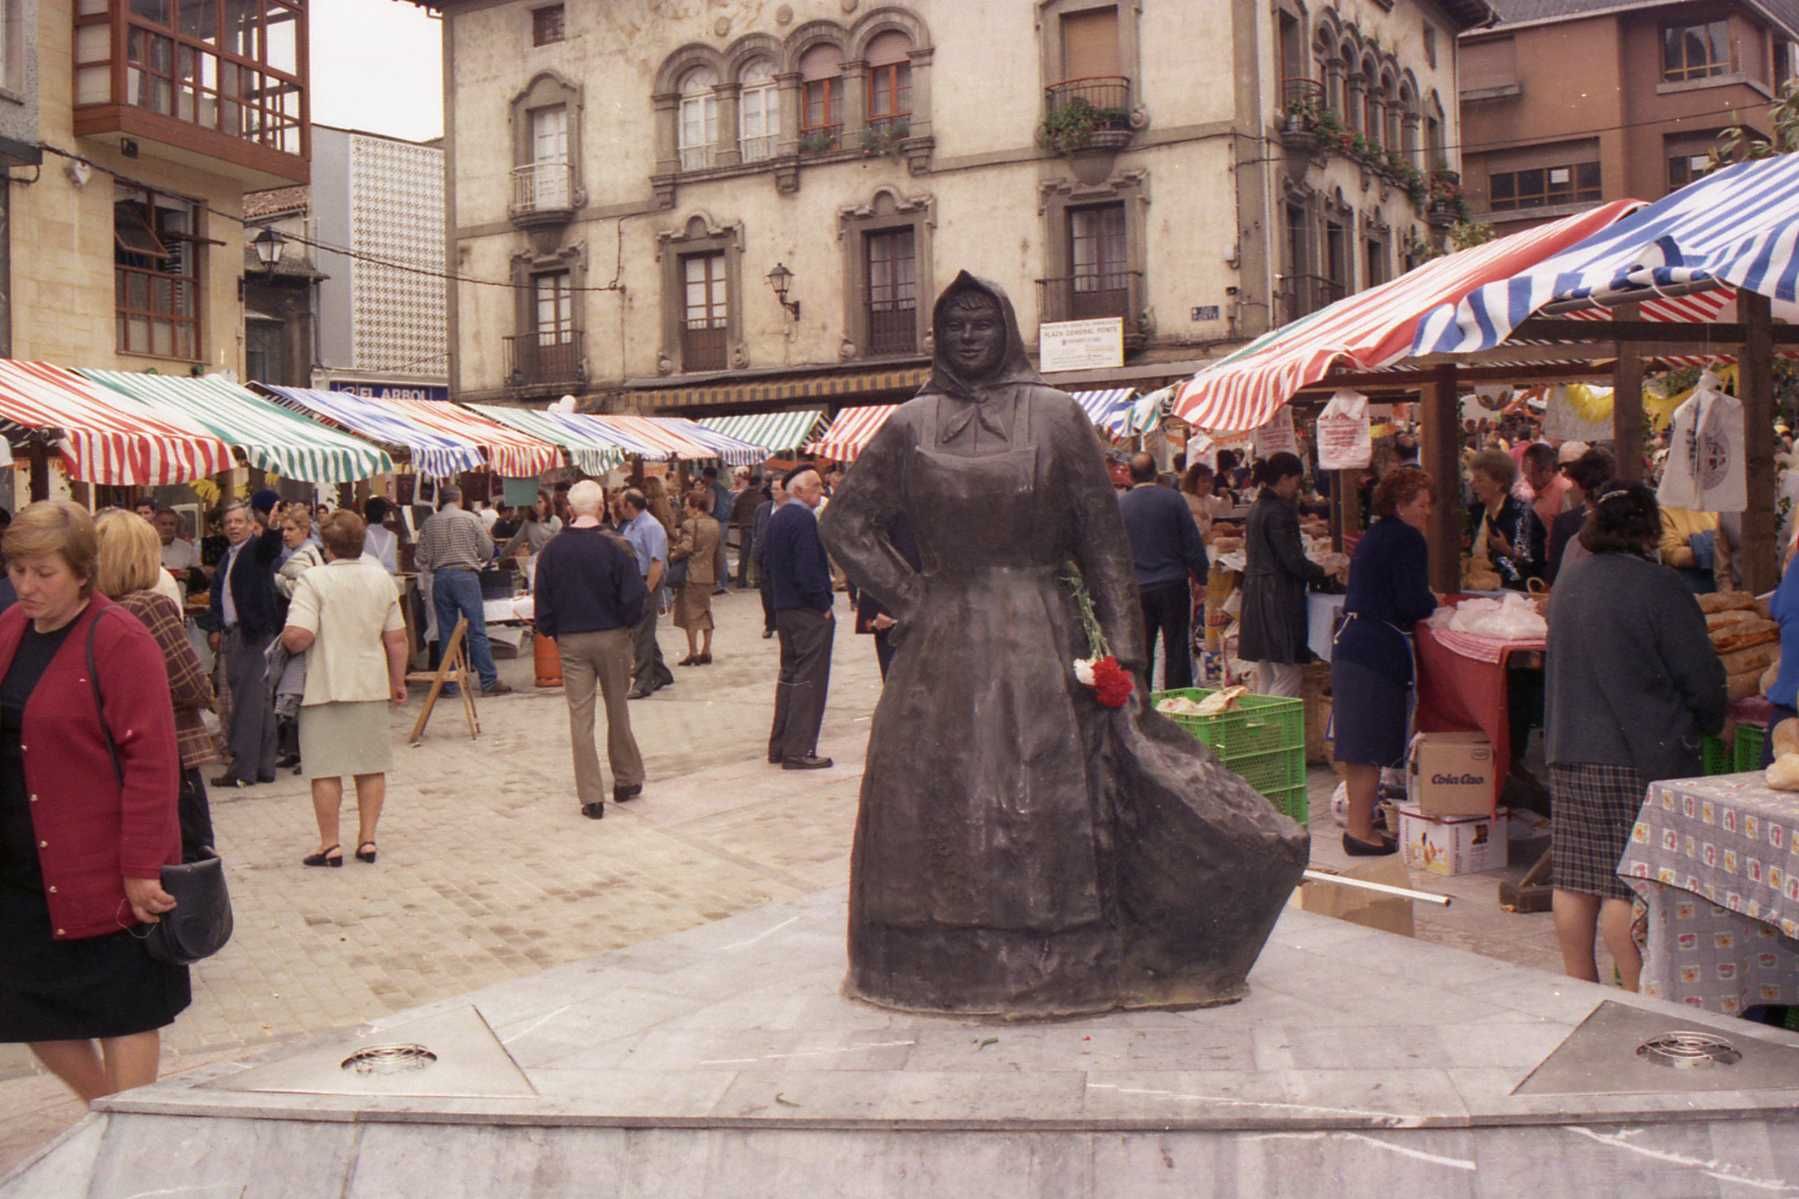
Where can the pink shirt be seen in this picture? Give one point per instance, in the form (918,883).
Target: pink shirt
(1551,500)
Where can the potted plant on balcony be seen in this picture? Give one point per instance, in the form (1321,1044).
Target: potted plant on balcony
(1304,121)
(1446,205)
(1416,188)
(1076,125)
(819,141)
(885,138)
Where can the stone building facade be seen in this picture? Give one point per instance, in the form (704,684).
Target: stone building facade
(737,204)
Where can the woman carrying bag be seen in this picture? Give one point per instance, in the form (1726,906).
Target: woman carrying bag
(1276,573)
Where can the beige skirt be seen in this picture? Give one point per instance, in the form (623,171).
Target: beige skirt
(693,607)
(345,739)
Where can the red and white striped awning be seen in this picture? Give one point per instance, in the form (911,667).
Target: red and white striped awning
(102,437)
(510,453)
(851,431)
(1369,330)
(661,435)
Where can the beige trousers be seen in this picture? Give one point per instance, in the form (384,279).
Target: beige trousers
(1279,678)
(604,659)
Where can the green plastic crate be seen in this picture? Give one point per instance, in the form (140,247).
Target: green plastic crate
(1750,741)
(1714,758)
(1257,724)
(1294,803)
(1744,756)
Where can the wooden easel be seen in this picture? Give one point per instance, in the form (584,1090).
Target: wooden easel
(452,667)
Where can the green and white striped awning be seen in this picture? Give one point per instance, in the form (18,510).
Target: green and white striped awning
(775,432)
(588,452)
(270,437)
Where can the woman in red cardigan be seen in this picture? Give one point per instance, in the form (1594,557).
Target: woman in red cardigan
(81,853)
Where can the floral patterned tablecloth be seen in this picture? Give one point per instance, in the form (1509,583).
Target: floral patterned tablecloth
(1716,861)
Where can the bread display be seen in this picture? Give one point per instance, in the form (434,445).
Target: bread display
(1755,658)
(1786,737)
(1744,634)
(1718,620)
(1727,601)
(1743,686)
(1784,774)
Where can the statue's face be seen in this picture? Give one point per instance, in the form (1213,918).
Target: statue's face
(974,335)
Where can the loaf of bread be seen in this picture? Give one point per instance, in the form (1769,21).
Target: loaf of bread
(1743,686)
(1764,609)
(1717,620)
(1784,774)
(1727,601)
(1786,737)
(1744,635)
(1755,658)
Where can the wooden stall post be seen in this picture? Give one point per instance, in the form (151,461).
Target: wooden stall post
(1627,401)
(1441,452)
(40,470)
(1755,388)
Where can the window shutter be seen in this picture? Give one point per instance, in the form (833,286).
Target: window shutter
(1090,44)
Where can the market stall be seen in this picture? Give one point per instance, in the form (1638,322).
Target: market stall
(729,450)
(270,437)
(660,439)
(775,432)
(850,432)
(1711,860)
(98,439)
(588,450)
(429,451)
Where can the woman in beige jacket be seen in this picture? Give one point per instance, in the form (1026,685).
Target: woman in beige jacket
(696,543)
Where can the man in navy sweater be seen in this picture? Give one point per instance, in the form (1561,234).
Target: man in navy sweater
(1165,551)
(590,599)
(800,583)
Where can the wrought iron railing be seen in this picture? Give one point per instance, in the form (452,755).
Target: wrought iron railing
(1090,295)
(1302,96)
(892,330)
(543,187)
(756,149)
(1107,95)
(552,356)
(821,139)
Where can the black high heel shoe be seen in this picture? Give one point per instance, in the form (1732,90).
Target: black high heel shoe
(323,857)
(368,857)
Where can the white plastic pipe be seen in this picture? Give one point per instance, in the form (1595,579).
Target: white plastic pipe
(1319,876)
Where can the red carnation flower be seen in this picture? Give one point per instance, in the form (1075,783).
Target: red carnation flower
(1112,683)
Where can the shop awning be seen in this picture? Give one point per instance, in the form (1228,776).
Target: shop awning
(101,440)
(271,437)
(1682,257)
(588,451)
(745,392)
(851,432)
(430,451)
(1103,407)
(510,454)
(775,432)
(727,449)
(662,439)
(1368,330)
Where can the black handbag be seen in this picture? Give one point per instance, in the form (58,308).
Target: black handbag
(201,923)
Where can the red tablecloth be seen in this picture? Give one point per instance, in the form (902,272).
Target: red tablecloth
(1462,693)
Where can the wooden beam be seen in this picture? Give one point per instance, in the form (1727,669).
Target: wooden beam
(1760,565)
(40,470)
(1719,335)
(1627,405)
(1441,456)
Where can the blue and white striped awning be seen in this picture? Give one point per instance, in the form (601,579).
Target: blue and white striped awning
(432,452)
(1141,415)
(1738,228)
(731,451)
(588,451)
(775,432)
(1103,407)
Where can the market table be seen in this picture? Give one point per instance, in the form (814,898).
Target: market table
(1716,861)
(1462,687)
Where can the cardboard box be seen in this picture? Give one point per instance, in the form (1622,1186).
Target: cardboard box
(1451,774)
(1389,913)
(1453,845)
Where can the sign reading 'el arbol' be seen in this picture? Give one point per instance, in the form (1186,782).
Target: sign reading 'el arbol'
(393,391)
(1081,345)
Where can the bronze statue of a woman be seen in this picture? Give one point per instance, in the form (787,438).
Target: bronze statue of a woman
(1022,850)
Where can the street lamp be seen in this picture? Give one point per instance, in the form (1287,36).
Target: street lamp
(269,244)
(779,279)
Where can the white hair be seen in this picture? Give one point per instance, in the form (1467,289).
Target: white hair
(586,498)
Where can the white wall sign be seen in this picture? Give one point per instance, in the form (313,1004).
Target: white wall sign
(1080,345)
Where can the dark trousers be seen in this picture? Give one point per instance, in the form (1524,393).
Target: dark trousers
(649,670)
(458,593)
(196,815)
(745,552)
(768,603)
(884,648)
(252,732)
(1168,610)
(806,637)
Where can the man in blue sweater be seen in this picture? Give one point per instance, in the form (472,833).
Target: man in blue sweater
(1166,551)
(800,583)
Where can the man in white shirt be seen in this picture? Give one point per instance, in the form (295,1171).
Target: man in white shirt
(179,555)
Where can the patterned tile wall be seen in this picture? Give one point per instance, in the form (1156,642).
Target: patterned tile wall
(397,214)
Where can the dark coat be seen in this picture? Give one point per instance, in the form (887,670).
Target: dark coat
(1275,576)
(93,834)
(260,610)
(1521,526)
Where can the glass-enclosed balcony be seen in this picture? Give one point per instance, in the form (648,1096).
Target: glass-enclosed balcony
(214,84)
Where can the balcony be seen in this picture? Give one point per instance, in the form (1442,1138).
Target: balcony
(543,193)
(821,139)
(703,346)
(756,149)
(225,93)
(1095,297)
(550,359)
(1087,114)
(1302,295)
(892,330)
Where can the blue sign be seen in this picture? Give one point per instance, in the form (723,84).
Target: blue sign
(393,391)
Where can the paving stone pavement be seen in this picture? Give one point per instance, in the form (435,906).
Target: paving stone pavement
(489,872)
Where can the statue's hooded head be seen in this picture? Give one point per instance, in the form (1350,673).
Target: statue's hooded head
(977,339)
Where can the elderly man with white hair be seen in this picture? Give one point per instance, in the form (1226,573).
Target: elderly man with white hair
(590,597)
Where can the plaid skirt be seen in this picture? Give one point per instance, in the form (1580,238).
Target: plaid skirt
(1595,807)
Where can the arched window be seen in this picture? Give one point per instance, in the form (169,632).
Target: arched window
(1389,92)
(889,81)
(1371,122)
(1408,104)
(699,118)
(821,107)
(1352,109)
(758,111)
(1433,136)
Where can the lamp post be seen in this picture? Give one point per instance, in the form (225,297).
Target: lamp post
(268,245)
(780,279)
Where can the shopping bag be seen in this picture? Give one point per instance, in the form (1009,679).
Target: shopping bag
(1344,433)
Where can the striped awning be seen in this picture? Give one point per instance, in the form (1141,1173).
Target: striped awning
(727,449)
(1736,228)
(1102,407)
(271,437)
(430,451)
(1368,330)
(589,451)
(851,432)
(102,440)
(775,391)
(775,432)
(510,454)
(664,439)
